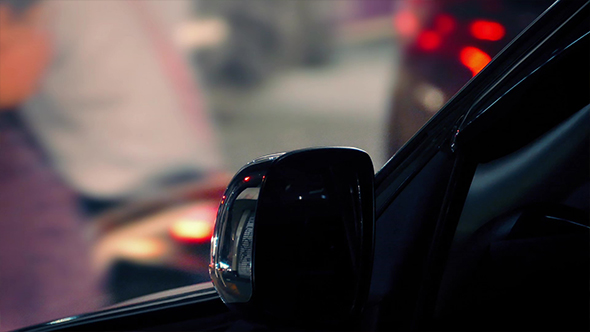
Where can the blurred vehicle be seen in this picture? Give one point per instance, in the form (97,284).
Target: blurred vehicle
(480,220)
(443,44)
(263,36)
(159,243)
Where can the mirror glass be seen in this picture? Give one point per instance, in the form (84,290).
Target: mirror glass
(235,245)
(233,237)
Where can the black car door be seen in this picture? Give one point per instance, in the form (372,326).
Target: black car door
(510,153)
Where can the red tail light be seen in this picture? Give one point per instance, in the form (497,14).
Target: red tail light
(474,59)
(192,231)
(196,225)
(487,30)
(429,40)
(445,24)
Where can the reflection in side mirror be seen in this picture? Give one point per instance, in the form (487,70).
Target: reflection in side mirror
(293,240)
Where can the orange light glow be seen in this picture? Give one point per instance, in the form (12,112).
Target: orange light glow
(193,231)
(474,59)
(487,30)
(445,24)
(196,226)
(429,40)
(142,248)
(405,23)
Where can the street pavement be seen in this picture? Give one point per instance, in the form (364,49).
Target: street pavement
(341,104)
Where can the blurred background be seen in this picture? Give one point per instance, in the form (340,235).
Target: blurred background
(293,74)
(122,121)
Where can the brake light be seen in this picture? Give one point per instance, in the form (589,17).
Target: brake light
(196,225)
(192,231)
(444,24)
(429,40)
(474,59)
(487,30)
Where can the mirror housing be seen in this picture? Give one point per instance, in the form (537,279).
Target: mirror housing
(293,239)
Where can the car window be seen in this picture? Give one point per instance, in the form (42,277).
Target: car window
(121,122)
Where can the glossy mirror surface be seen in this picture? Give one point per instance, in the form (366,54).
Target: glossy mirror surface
(232,242)
(293,239)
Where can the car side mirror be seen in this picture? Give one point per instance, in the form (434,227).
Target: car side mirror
(293,239)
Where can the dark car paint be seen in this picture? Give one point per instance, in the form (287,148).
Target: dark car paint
(411,253)
(425,156)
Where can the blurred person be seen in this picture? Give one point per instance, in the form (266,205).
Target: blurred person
(115,113)
(118,111)
(45,271)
